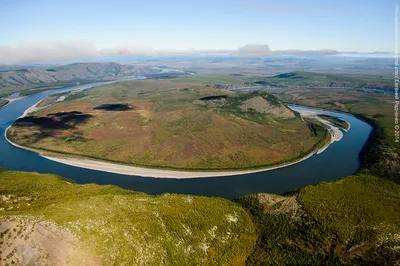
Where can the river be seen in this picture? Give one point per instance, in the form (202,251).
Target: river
(339,160)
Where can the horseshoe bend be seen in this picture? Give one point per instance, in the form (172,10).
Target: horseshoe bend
(170,125)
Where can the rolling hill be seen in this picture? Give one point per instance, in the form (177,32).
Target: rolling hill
(68,75)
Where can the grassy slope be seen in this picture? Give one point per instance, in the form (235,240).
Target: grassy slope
(117,226)
(34,80)
(165,128)
(355,220)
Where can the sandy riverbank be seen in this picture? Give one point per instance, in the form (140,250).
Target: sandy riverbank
(336,135)
(156,173)
(31,109)
(147,172)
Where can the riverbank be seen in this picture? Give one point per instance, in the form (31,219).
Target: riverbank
(336,134)
(3,102)
(112,167)
(148,172)
(9,100)
(373,158)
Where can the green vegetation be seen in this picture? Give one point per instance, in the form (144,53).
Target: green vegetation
(170,125)
(353,221)
(296,80)
(336,121)
(308,79)
(115,226)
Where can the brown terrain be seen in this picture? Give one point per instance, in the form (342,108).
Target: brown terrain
(27,240)
(160,124)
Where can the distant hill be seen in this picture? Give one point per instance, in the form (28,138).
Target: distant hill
(28,78)
(319,80)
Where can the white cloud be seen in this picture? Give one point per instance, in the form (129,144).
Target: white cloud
(127,50)
(46,52)
(254,50)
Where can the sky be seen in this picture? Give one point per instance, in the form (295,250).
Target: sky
(30,27)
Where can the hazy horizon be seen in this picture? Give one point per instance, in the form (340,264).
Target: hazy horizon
(48,31)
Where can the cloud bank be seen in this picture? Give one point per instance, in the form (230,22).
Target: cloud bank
(48,52)
(306,52)
(253,50)
(263,50)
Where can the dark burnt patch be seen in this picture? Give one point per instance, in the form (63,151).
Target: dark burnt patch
(212,98)
(65,114)
(62,120)
(114,107)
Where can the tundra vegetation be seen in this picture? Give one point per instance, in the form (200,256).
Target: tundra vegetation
(106,225)
(352,221)
(170,124)
(299,79)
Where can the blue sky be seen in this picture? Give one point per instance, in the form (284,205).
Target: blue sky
(344,25)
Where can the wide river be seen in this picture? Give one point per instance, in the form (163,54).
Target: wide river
(339,160)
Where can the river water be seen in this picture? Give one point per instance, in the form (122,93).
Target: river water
(339,160)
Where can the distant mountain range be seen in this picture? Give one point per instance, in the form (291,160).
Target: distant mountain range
(72,72)
(29,80)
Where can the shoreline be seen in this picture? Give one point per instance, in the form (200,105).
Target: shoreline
(148,172)
(116,168)
(334,131)
(10,100)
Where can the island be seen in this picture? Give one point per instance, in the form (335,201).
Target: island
(336,121)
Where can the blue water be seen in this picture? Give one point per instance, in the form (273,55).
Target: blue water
(340,159)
